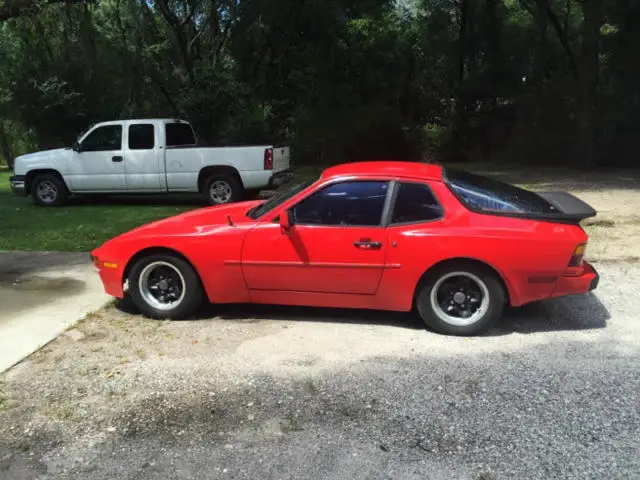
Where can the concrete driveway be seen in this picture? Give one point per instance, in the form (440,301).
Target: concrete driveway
(41,295)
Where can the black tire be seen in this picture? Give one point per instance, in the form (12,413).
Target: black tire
(236,189)
(58,193)
(193,290)
(434,317)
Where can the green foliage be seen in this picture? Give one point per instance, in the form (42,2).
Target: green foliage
(337,80)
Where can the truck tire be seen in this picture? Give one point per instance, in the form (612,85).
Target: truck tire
(48,190)
(222,188)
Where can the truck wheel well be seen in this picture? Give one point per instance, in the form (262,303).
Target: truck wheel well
(462,261)
(206,172)
(31,175)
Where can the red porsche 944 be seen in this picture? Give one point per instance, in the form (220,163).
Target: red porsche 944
(457,246)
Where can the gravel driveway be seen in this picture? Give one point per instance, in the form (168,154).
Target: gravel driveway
(276,393)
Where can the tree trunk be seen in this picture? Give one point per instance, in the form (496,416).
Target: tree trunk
(5,147)
(588,83)
(540,59)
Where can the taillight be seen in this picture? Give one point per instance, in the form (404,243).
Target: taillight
(578,255)
(268,159)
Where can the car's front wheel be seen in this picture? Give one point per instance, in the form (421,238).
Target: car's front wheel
(165,286)
(460,299)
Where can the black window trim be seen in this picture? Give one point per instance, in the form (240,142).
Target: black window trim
(396,190)
(384,217)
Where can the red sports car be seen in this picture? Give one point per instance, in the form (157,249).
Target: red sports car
(376,235)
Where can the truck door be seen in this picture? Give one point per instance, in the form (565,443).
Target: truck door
(143,162)
(98,163)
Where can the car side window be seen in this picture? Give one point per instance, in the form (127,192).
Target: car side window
(141,137)
(356,203)
(103,139)
(415,202)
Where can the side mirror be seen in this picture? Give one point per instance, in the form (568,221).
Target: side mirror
(286,221)
(76,147)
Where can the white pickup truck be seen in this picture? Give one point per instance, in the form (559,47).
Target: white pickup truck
(148,156)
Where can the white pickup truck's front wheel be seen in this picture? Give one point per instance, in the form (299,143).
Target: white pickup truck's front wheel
(220,189)
(49,190)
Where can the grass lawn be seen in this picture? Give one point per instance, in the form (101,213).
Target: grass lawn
(79,226)
(85,223)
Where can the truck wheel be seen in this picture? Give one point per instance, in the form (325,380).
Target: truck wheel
(460,299)
(49,190)
(220,189)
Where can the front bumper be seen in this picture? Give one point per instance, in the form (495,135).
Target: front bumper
(280,178)
(17,184)
(111,274)
(579,284)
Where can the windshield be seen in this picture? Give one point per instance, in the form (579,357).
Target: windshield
(277,199)
(489,195)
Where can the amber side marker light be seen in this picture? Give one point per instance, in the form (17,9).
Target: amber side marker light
(97,263)
(578,255)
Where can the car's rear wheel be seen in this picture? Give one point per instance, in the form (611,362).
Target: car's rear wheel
(220,189)
(49,190)
(460,299)
(165,286)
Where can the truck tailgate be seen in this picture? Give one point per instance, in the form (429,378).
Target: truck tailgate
(280,158)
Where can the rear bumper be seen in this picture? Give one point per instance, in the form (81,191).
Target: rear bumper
(579,284)
(17,184)
(280,178)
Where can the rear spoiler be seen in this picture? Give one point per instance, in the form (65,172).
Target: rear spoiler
(570,208)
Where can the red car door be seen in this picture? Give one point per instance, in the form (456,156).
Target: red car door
(337,243)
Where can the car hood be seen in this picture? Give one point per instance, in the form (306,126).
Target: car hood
(197,222)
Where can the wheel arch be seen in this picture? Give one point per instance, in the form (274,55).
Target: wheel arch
(206,172)
(32,174)
(157,250)
(508,291)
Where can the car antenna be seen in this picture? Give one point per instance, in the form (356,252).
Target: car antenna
(229,220)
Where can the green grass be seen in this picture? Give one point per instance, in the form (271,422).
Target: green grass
(85,224)
(82,225)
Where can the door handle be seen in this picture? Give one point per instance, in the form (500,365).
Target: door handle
(367,244)
(117,158)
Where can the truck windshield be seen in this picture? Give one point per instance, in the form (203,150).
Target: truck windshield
(277,199)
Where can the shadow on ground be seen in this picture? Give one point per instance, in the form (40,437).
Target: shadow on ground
(14,265)
(582,312)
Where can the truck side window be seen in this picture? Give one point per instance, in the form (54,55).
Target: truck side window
(141,137)
(103,139)
(179,135)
